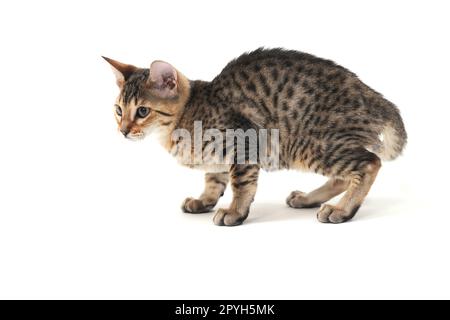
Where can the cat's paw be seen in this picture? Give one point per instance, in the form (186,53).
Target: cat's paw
(298,199)
(332,214)
(228,217)
(191,205)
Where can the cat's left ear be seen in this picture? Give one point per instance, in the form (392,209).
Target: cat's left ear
(121,70)
(163,80)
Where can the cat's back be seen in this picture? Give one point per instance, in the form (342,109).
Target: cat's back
(278,80)
(268,71)
(308,97)
(263,59)
(273,85)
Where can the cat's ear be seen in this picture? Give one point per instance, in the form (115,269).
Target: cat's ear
(121,70)
(163,80)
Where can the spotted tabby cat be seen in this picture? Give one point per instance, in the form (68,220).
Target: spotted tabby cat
(329,122)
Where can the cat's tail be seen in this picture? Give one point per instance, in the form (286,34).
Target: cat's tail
(393,135)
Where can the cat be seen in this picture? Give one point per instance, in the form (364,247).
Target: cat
(329,122)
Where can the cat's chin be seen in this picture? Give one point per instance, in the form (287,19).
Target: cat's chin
(136,137)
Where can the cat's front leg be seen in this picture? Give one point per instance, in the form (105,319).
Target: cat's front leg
(215,185)
(244,179)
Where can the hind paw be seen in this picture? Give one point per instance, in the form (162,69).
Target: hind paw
(332,214)
(298,199)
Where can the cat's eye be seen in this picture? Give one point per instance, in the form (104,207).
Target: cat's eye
(118,111)
(142,112)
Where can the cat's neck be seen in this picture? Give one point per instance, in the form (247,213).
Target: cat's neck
(187,93)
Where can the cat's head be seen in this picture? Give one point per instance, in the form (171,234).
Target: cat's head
(149,99)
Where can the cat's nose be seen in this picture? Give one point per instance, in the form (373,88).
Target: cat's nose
(125,132)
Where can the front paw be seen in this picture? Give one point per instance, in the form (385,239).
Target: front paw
(191,205)
(332,214)
(228,217)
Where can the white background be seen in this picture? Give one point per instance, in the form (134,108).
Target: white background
(86,214)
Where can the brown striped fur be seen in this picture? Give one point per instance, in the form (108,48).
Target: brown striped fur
(330,123)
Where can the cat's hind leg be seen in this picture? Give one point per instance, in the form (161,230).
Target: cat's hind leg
(215,185)
(315,198)
(360,167)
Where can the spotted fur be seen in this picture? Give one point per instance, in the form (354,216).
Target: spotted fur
(330,123)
